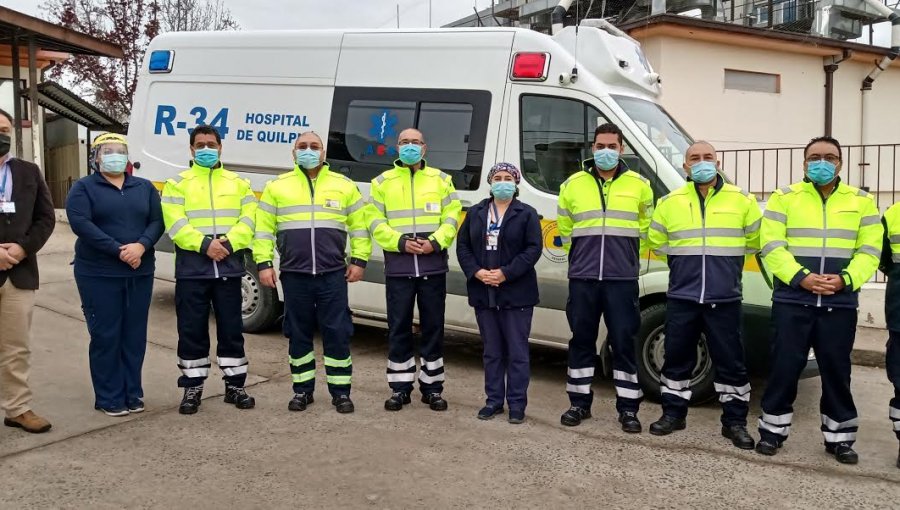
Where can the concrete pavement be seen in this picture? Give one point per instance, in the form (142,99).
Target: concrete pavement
(268,457)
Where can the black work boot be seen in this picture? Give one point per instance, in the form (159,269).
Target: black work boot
(843,452)
(300,401)
(630,422)
(739,436)
(237,395)
(768,448)
(435,401)
(190,403)
(397,401)
(342,404)
(574,416)
(666,425)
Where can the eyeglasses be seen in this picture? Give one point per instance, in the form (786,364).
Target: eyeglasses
(413,142)
(831,158)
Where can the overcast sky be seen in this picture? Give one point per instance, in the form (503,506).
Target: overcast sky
(286,14)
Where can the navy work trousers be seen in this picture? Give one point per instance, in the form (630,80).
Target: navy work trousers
(430,293)
(116,311)
(504,332)
(892,361)
(831,333)
(721,324)
(192,305)
(318,300)
(617,303)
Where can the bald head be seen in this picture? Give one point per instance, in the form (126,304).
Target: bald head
(699,151)
(411,135)
(306,142)
(309,138)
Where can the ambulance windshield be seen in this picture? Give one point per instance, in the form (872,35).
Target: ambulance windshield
(659,127)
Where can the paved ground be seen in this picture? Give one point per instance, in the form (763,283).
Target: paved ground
(269,457)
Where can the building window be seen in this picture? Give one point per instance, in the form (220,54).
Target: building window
(6,97)
(751,81)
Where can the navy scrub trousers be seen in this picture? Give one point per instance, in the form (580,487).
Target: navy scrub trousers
(507,368)
(430,293)
(830,331)
(116,311)
(193,298)
(721,323)
(892,361)
(311,300)
(617,303)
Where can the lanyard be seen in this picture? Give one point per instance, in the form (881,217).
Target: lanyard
(497,219)
(6,172)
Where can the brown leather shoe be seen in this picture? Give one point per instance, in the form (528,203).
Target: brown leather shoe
(29,422)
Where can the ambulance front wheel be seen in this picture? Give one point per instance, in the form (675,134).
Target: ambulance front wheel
(650,350)
(260,306)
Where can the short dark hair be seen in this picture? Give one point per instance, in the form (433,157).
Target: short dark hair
(826,139)
(7,115)
(608,128)
(205,130)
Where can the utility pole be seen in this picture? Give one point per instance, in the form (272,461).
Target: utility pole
(398,15)
(429,13)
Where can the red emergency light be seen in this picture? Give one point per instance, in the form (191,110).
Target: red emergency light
(530,66)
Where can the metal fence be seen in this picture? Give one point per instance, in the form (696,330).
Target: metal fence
(59,190)
(869,167)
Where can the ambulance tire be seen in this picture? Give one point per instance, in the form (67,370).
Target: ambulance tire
(260,306)
(649,350)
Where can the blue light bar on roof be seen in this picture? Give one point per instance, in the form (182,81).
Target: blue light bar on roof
(161,61)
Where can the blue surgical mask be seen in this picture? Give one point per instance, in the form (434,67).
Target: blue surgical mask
(307,158)
(606,159)
(503,190)
(113,163)
(410,153)
(703,172)
(821,172)
(206,157)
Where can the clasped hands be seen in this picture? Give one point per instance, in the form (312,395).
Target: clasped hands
(492,277)
(823,284)
(10,255)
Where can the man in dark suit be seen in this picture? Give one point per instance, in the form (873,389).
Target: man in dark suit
(26,222)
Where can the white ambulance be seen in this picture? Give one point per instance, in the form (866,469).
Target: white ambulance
(480,96)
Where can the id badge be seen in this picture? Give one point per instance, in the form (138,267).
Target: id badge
(432,207)
(7,207)
(332,204)
(492,239)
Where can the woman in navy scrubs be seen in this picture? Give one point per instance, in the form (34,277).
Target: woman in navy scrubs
(498,246)
(118,219)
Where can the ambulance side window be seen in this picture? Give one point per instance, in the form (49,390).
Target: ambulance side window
(556,136)
(366,122)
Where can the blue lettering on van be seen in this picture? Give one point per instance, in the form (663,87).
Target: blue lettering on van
(277,119)
(167,115)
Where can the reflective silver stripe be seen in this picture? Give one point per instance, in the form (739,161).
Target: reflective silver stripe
(696,233)
(406,377)
(446,201)
(808,251)
(249,199)
(300,224)
(454,196)
(831,233)
(728,397)
(786,189)
(380,179)
(375,223)
(232,371)
(359,233)
(662,250)
(433,365)
(352,208)
(775,216)
(378,205)
(894,413)
(269,208)
(451,221)
(407,229)
(897,426)
(406,365)
(195,372)
(295,209)
(781,431)
(778,419)
(658,226)
(587,215)
(193,363)
(869,220)
(622,215)
(869,250)
(738,390)
(207,230)
(247,221)
(675,385)
(610,231)
(565,239)
(177,226)
(839,437)
(561,212)
(578,373)
(230,362)
(264,235)
(718,251)
(625,376)
(836,425)
(428,379)
(684,394)
(894,238)
(208,213)
(628,393)
(579,388)
(172,200)
(772,245)
(861,193)
(895,257)
(753,227)
(402,214)
(596,215)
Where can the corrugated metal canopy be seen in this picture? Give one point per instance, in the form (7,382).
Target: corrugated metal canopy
(56,98)
(50,37)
